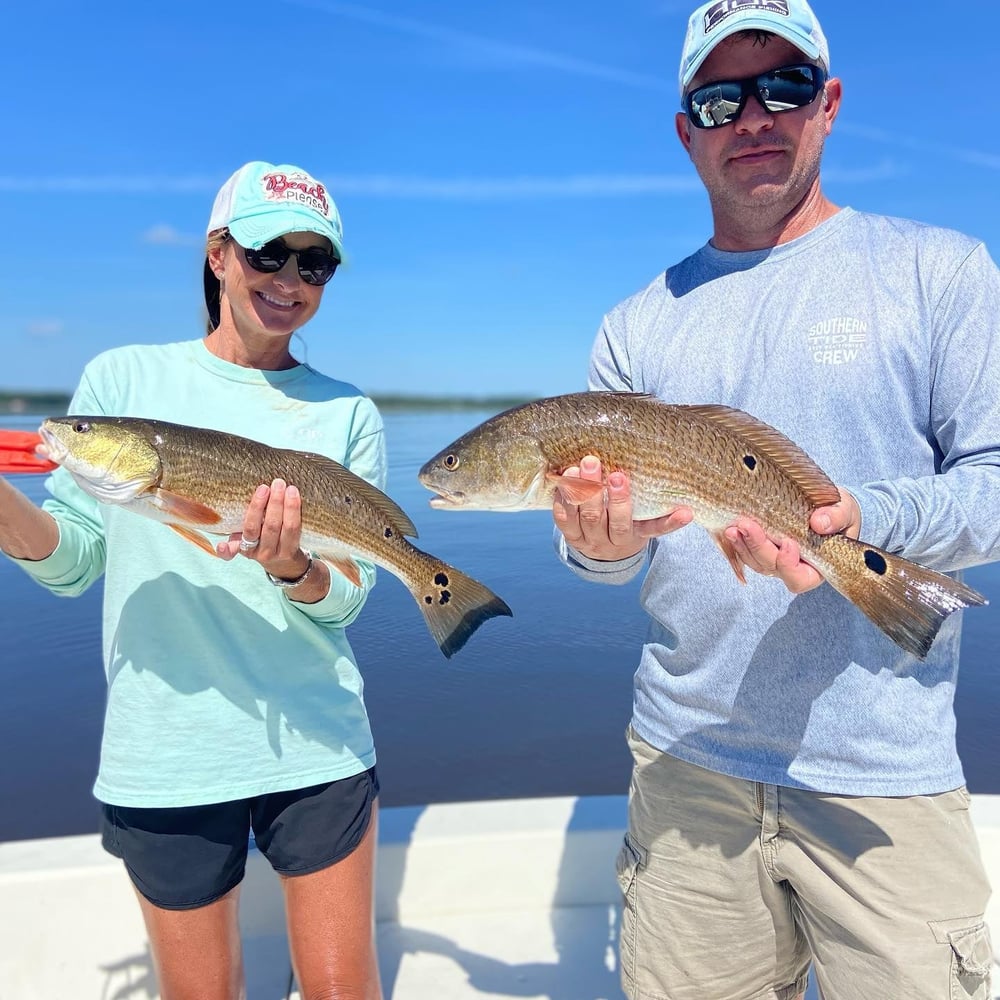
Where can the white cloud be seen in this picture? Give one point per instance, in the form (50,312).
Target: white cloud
(974,157)
(381,186)
(164,234)
(516,188)
(43,328)
(111,184)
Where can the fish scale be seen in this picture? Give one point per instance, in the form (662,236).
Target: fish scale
(721,462)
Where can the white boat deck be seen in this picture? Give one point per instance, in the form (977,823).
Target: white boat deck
(504,899)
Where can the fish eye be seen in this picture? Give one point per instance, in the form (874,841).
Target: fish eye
(81,426)
(451,461)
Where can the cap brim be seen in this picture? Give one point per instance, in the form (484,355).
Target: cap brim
(259,229)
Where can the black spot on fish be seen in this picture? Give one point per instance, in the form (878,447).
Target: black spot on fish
(750,462)
(387,532)
(441,579)
(875,562)
(445,597)
(428,599)
(348,500)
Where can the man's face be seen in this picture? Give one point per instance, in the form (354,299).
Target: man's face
(762,160)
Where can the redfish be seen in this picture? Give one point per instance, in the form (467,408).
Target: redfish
(719,461)
(197,480)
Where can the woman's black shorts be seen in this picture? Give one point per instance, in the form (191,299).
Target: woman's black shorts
(181,858)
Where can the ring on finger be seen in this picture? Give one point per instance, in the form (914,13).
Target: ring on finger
(249,544)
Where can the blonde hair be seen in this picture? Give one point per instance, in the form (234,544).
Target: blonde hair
(213,290)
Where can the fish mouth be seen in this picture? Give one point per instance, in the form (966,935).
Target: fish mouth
(448,499)
(55,450)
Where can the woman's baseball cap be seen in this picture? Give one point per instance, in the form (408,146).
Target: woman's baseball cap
(263,201)
(792,20)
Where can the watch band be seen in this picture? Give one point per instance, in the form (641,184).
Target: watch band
(284,584)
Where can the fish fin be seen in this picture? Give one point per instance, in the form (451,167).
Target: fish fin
(183,508)
(372,495)
(453,604)
(388,507)
(344,565)
(729,551)
(765,441)
(575,489)
(907,601)
(194,537)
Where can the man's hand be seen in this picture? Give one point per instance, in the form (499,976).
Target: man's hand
(759,553)
(602,527)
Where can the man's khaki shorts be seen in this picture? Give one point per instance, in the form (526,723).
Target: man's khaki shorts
(732,888)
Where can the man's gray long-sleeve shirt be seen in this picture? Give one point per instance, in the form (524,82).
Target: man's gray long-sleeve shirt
(874,343)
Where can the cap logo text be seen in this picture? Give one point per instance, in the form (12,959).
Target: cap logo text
(718,12)
(299,187)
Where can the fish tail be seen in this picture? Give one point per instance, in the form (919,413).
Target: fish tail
(453,604)
(907,601)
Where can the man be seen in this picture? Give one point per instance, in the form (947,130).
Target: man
(796,795)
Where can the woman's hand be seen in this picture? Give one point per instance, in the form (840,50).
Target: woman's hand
(272,531)
(272,536)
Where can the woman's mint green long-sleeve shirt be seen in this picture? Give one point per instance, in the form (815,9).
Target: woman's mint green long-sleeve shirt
(219,686)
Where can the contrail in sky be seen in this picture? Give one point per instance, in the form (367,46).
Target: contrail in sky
(384,186)
(506,51)
(972,156)
(523,55)
(502,188)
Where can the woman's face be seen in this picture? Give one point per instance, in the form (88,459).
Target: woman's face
(273,304)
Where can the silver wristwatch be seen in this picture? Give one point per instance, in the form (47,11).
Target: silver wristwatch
(281,582)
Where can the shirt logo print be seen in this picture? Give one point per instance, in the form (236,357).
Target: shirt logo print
(837,341)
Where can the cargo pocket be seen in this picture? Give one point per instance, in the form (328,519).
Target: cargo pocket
(971,957)
(631,857)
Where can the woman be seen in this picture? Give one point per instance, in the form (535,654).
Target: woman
(234,700)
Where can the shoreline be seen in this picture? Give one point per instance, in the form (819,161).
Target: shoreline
(27,404)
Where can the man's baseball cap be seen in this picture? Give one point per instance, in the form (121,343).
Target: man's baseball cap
(792,20)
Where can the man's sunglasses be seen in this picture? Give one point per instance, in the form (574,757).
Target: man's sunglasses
(314,264)
(784,89)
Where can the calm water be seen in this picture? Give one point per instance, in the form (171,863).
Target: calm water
(532,706)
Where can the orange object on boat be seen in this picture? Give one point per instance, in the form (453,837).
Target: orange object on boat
(17,452)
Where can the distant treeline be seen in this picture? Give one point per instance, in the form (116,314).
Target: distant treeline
(57,402)
(53,402)
(392,402)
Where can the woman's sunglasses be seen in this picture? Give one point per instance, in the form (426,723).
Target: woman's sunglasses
(314,264)
(784,89)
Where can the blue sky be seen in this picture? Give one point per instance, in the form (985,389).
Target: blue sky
(506,172)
